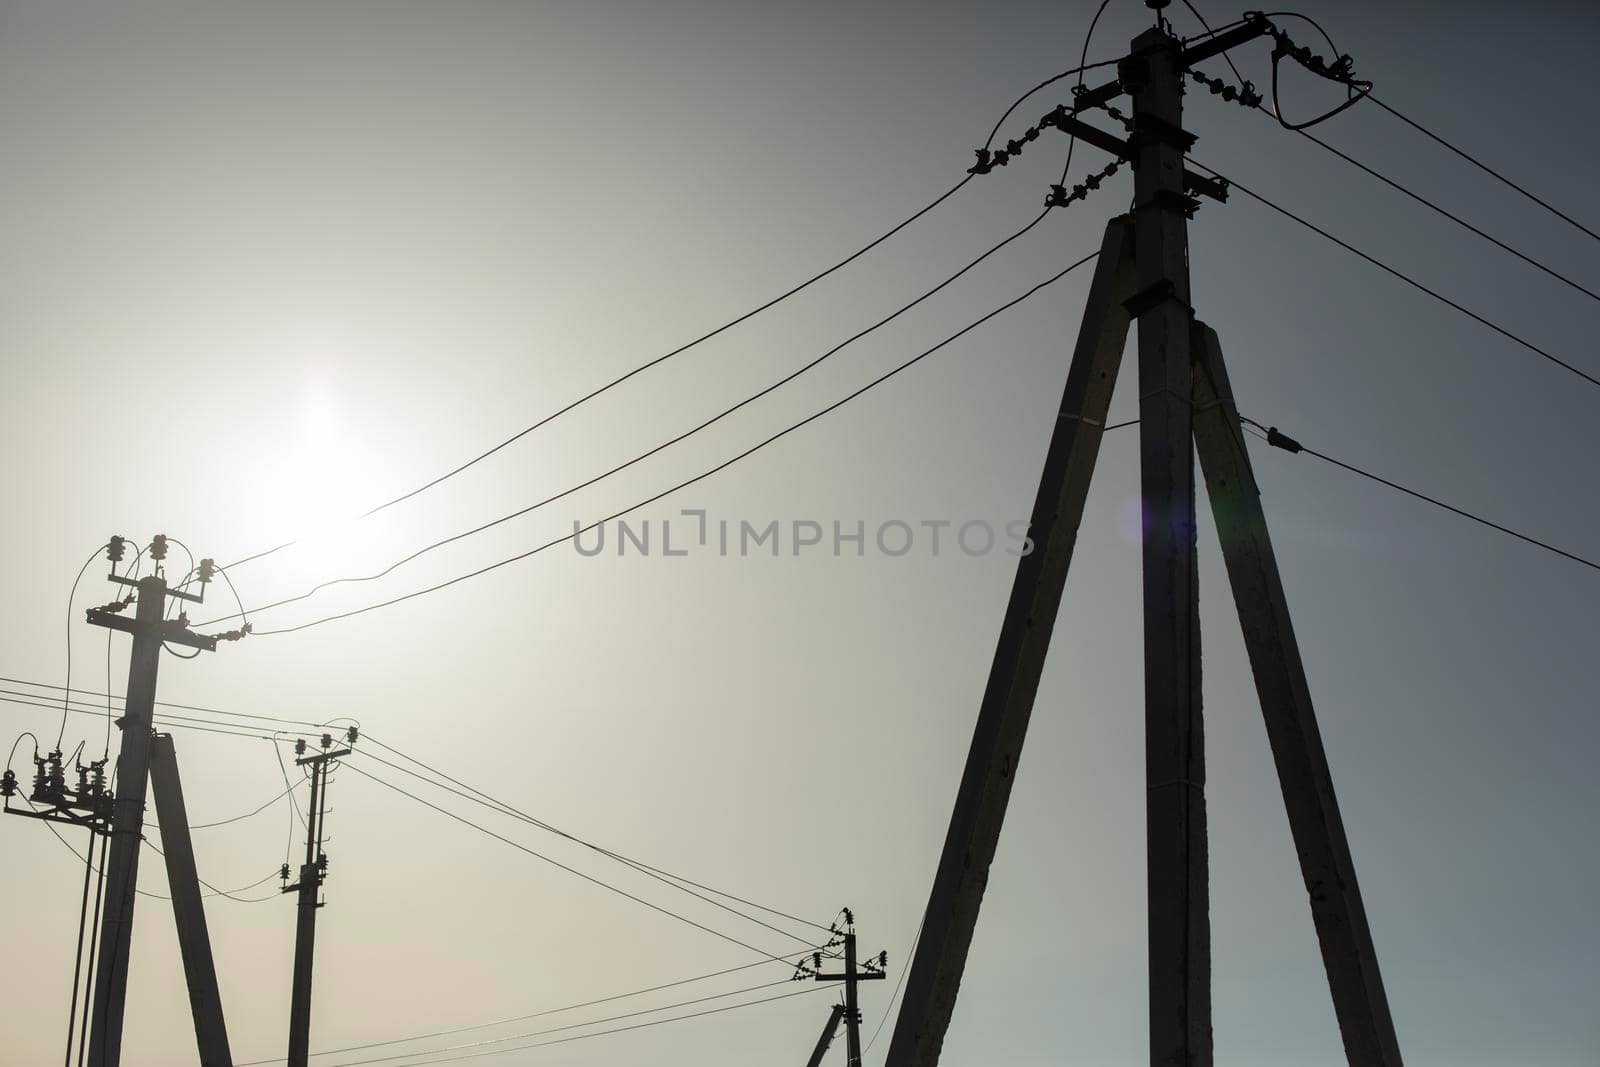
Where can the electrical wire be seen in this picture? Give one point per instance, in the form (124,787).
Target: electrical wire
(183,707)
(714,419)
(569,1026)
(1212,33)
(1414,124)
(166,718)
(562,866)
(652,872)
(70,595)
(237,818)
(533,1015)
(1079,70)
(1458,220)
(613,383)
(1272,437)
(1419,286)
(888,1008)
(158,722)
(604,1033)
(513,811)
(690,481)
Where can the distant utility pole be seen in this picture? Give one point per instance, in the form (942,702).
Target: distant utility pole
(151,631)
(312,873)
(853,974)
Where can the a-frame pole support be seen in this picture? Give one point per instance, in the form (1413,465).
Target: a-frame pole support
(194,942)
(1019,657)
(1329,872)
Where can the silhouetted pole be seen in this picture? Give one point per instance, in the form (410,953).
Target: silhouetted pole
(853,974)
(312,873)
(149,630)
(1175,770)
(828,1030)
(1019,657)
(194,941)
(1326,867)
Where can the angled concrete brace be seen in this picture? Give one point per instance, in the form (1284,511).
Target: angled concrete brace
(1019,657)
(1308,796)
(194,941)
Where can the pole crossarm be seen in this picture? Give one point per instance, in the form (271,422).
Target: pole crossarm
(172,631)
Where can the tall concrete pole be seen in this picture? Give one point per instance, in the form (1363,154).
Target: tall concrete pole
(311,877)
(852,1004)
(122,872)
(305,934)
(1175,807)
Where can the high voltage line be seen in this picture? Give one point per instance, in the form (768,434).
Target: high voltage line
(641,457)
(1419,286)
(758,446)
(562,866)
(533,1015)
(592,394)
(478,797)
(487,1042)
(603,1033)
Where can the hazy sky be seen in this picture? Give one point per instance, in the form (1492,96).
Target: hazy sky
(265,265)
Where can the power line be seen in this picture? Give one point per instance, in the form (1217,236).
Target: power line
(147,893)
(645,869)
(690,481)
(614,1030)
(1414,124)
(1079,70)
(888,1009)
(1420,287)
(613,383)
(73,592)
(168,719)
(569,1026)
(532,1015)
(570,870)
(1458,220)
(1272,436)
(511,810)
(170,704)
(714,419)
(190,725)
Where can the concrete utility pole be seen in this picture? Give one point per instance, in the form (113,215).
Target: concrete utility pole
(853,974)
(312,874)
(1184,401)
(150,630)
(1175,760)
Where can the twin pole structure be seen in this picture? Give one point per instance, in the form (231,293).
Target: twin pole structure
(1186,404)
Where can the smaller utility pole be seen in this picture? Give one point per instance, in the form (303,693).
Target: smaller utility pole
(854,973)
(312,873)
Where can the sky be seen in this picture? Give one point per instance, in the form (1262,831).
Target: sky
(266,266)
